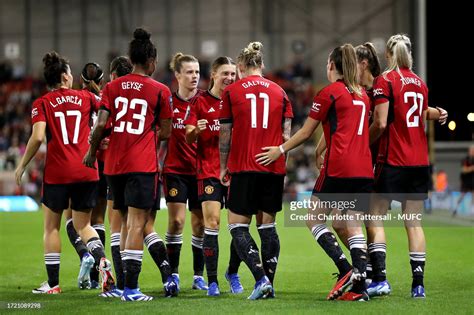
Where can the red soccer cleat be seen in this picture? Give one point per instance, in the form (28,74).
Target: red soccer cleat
(341,285)
(352,296)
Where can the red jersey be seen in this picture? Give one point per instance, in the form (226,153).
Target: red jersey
(257,107)
(181,156)
(345,118)
(68,117)
(136,104)
(206,106)
(403,143)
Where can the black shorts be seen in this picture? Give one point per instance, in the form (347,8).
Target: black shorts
(83,196)
(211,189)
(342,190)
(138,190)
(253,192)
(181,189)
(110,195)
(102,180)
(402,183)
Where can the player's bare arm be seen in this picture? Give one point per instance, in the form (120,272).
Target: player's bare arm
(37,136)
(165,129)
(271,154)
(320,148)
(225,134)
(380,122)
(438,113)
(192,131)
(95,138)
(287,129)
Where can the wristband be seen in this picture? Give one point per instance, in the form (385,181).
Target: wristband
(281,149)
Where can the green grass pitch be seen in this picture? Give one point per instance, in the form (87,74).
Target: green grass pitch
(302,282)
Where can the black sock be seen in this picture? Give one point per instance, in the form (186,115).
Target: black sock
(75,239)
(358,248)
(234,260)
(329,243)
(96,249)
(370,274)
(173,247)
(132,261)
(156,248)
(210,247)
(377,254)
(270,249)
(100,229)
(198,255)
(417,262)
(117,259)
(247,249)
(51,261)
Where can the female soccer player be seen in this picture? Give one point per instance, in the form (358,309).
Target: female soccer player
(342,107)
(63,115)
(141,113)
(255,112)
(402,170)
(179,173)
(202,124)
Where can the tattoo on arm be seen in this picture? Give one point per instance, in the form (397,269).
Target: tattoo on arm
(287,129)
(224,143)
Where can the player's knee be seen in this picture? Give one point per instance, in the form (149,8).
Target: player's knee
(176,225)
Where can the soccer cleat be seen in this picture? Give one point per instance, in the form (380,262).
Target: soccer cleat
(135,295)
(107,279)
(262,288)
(46,289)
(114,293)
(83,279)
(353,296)
(176,279)
(270,295)
(418,292)
(379,288)
(199,283)
(343,282)
(171,287)
(213,289)
(94,285)
(234,282)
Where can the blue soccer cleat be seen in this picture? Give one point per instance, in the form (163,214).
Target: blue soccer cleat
(418,292)
(213,289)
(175,277)
(234,282)
(94,285)
(262,288)
(199,283)
(84,279)
(135,295)
(114,293)
(171,287)
(379,288)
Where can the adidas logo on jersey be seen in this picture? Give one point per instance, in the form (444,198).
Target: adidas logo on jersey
(211,110)
(176,110)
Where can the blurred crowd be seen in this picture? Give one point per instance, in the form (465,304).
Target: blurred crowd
(17,95)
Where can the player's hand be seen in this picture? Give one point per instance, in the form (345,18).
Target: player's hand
(19,174)
(89,160)
(270,156)
(201,125)
(224,177)
(319,161)
(104,144)
(443,115)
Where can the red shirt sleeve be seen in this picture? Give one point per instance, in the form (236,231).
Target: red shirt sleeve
(166,111)
(321,105)
(288,108)
(225,112)
(381,91)
(37,111)
(191,116)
